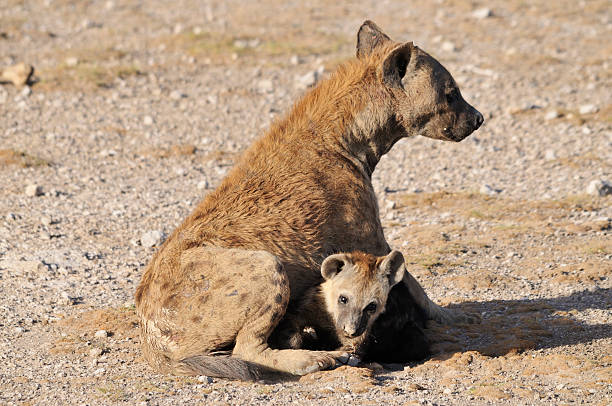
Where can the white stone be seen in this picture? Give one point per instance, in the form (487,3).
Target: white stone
(447,391)
(203,184)
(147,120)
(482,13)
(101,334)
(588,109)
(550,155)
(551,115)
(294,60)
(26,91)
(488,190)
(33,190)
(448,46)
(265,86)
(152,238)
(95,352)
(599,187)
(72,61)
(176,95)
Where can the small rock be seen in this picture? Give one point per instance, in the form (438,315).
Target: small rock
(205,379)
(26,91)
(19,330)
(99,371)
(586,130)
(588,109)
(45,221)
(599,187)
(482,13)
(18,74)
(488,190)
(294,60)
(66,299)
(33,190)
(72,61)
(550,155)
(176,95)
(309,79)
(101,334)
(96,352)
(152,239)
(390,205)
(551,115)
(448,46)
(203,184)
(212,99)
(147,120)
(447,391)
(265,86)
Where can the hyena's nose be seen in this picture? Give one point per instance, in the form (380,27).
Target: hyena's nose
(478,120)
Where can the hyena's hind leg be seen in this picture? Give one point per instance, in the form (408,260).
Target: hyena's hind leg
(252,339)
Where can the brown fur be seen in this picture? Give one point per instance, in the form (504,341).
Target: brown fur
(224,278)
(320,322)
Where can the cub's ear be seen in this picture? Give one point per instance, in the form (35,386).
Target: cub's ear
(369,37)
(333,264)
(393,267)
(395,65)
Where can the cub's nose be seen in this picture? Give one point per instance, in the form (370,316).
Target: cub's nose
(478,120)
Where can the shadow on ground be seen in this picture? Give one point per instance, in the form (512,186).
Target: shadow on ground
(512,326)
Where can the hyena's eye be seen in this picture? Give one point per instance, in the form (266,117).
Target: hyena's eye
(452,96)
(343,299)
(371,308)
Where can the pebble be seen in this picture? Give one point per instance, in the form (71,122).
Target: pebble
(26,91)
(151,238)
(550,155)
(448,46)
(294,60)
(203,184)
(34,190)
(176,95)
(551,115)
(599,187)
(265,86)
(447,391)
(18,74)
(309,79)
(66,299)
(488,190)
(72,61)
(147,120)
(205,379)
(588,109)
(95,352)
(482,13)
(101,334)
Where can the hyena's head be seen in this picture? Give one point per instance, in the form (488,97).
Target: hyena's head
(356,287)
(424,97)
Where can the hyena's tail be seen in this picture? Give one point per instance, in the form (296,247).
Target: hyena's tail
(220,366)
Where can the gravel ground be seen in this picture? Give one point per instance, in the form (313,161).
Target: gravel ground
(138,109)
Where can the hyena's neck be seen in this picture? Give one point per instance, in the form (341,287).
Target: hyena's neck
(369,138)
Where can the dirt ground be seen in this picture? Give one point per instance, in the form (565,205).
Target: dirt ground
(137,109)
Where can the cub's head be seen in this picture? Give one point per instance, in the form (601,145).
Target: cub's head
(356,287)
(422,95)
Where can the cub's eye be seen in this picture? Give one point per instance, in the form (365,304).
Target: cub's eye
(452,95)
(371,308)
(343,299)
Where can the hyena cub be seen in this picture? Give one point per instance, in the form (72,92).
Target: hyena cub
(339,312)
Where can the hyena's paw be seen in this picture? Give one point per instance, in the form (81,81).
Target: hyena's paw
(306,362)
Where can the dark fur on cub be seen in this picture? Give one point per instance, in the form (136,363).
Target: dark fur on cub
(340,312)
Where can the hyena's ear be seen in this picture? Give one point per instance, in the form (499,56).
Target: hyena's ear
(369,37)
(395,65)
(393,267)
(333,264)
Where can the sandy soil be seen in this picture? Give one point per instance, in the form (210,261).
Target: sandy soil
(139,108)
